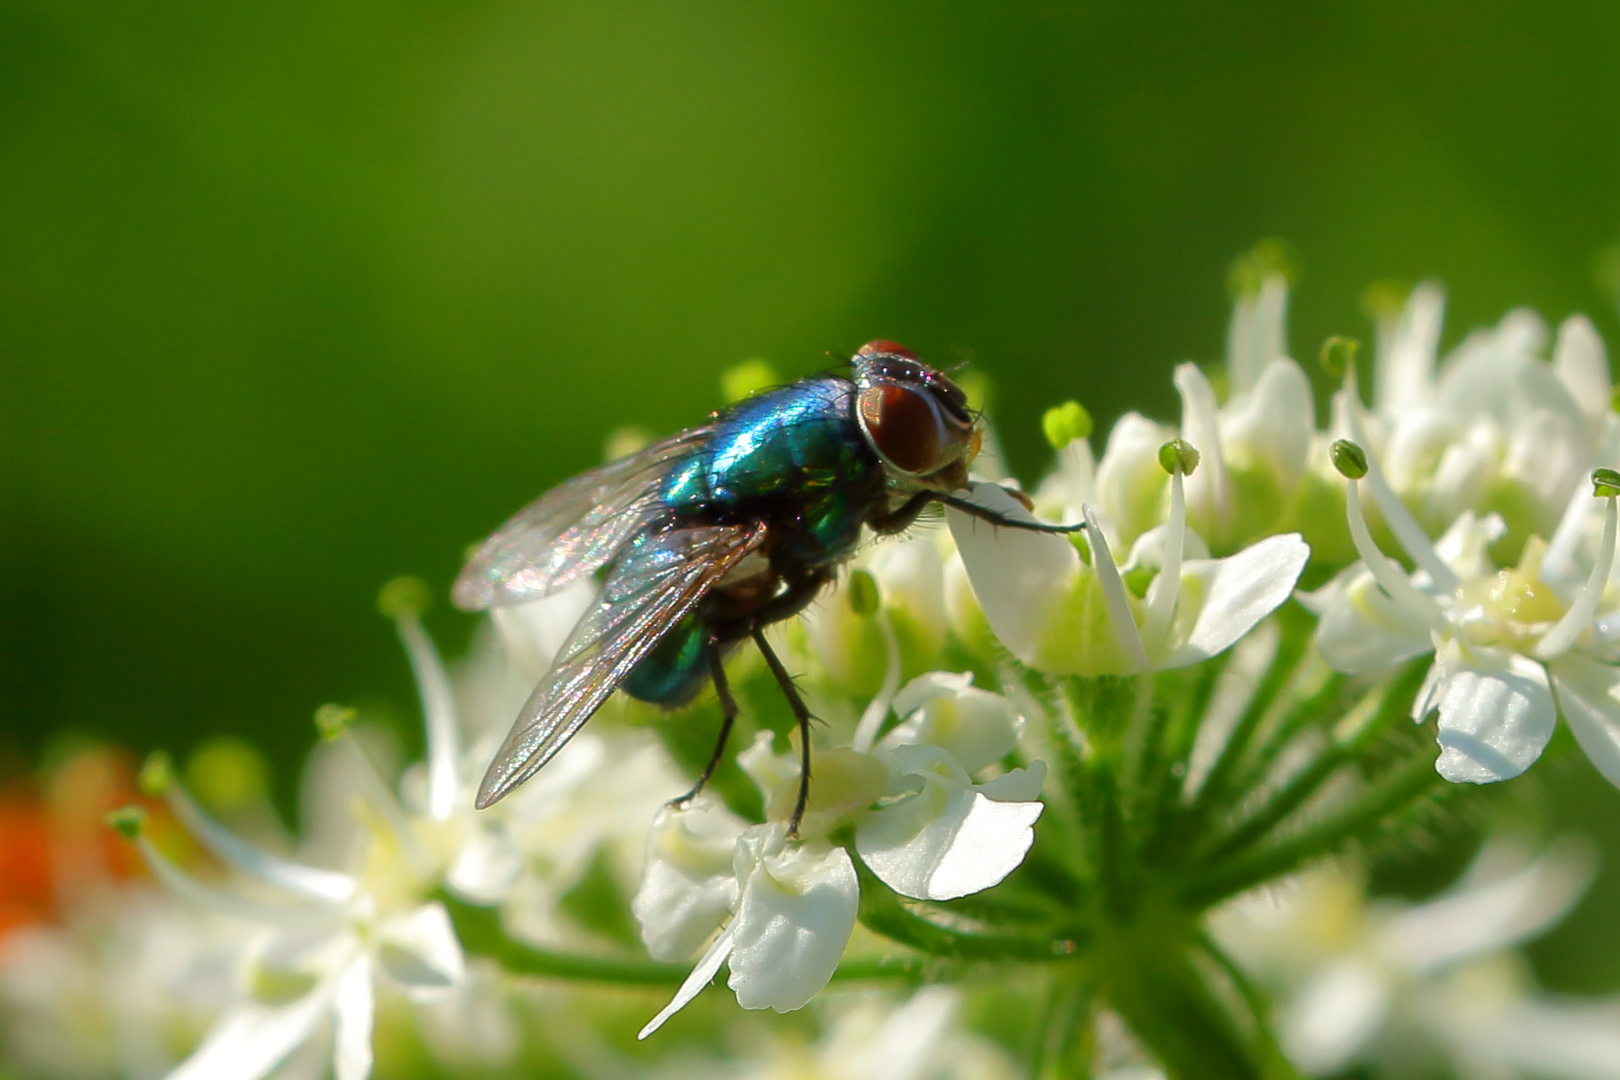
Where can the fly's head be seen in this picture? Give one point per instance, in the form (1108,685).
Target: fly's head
(914,417)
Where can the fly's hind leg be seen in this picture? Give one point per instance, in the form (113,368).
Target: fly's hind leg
(801,712)
(728,716)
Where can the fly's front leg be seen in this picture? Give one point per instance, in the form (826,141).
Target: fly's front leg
(728,716)
(801,712)
(905,515)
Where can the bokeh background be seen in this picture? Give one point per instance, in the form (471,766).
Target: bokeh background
(297,296)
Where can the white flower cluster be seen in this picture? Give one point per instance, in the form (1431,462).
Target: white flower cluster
(1494,446)
(947,673)
(1397,985)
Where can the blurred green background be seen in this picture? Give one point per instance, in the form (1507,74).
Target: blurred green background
(298,296)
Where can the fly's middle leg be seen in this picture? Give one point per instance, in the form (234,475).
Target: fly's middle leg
(728,716)
(801,712)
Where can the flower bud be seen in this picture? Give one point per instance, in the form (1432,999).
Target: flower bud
(1065,423)
(1178,455)
(403,596)
(1349,459)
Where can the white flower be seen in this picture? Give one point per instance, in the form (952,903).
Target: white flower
(1059,614)
(1510,652)
(326,941)
(1494,427)
(1254,448)
(939,835)
(121,987)
(530,849)
(1367,984)
(783,908)
(870,1038)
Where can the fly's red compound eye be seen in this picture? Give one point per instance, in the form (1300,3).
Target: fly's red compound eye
(881,347)
(902,426)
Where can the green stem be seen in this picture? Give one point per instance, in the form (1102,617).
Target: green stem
(1292,639)
(1171,1010)
(1259,1006)
(1061,1044)
(480,933)
(1392,702)
(882,912)
(1323,702)
(1404,787)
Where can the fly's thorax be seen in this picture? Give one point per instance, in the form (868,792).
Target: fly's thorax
(914,417)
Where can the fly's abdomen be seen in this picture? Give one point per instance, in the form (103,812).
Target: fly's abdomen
(676,669)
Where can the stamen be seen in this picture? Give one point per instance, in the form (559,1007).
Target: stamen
(314,883)
(1383,569)
(333,723)
(1559,560)
(1579,616)
(1167,587)
(871,722)
(403,600)
(1200,425)
(131,825)
(1113,589)
(1407,531)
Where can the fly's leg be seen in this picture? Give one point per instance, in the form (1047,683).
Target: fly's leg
(728,716)
(904,516)
(801,712)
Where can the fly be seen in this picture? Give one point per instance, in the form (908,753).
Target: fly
(707,537)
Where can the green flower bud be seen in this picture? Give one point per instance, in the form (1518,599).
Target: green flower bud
(1250,270)
(227,774)
(127,821)
(1339,355)
(333,720)
(864,595)
(1605,483)
(1178,455)
(1349,459)
(403,596)
(156,774)
(1065,423)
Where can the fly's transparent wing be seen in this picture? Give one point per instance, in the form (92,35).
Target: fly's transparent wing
(572,530)
(647,592)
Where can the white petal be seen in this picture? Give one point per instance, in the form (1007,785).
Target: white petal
(688,886)
(250,1040)
(354,1008)
(1482,917)
(1018,785)
(1018,576)
(1362,630)
(1273,424)
(977,727)
(694,983)
(1583,367)
(794,920)
(420,953)
(486,867)
(1236,593)
(1405,372)
(1337,1012)
(1589,694)
(948,839)
(1496,714)
(1209,490)
(532,633)
(914,1043)
(1130,482)
(439,716)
